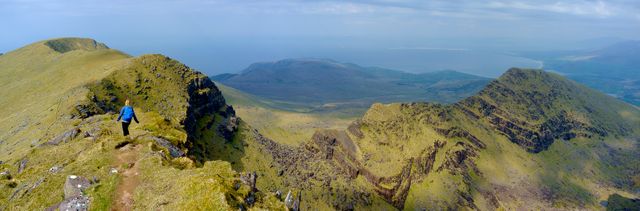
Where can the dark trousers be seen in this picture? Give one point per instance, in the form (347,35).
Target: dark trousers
(125,128)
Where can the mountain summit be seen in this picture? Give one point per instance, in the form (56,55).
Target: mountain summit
(64,45)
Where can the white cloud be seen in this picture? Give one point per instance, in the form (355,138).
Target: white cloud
(585,8)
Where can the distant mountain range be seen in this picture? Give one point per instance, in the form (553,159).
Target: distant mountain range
(323,81)
(614,69)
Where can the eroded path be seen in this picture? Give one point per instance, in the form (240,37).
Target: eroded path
(126,163)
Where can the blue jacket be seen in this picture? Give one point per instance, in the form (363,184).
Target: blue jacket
(126,113)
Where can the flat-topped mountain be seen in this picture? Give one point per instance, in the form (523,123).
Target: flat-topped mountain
(322,81)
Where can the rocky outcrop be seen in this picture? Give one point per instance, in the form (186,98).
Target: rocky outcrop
(65,137)
(22,165)
(456,132)
(74,198)
(204,99)
(354,129)
(173,150)
(74,185)
(228,127)
(458,159)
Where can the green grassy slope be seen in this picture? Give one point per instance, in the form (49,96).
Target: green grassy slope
(60,105)
(282,125)
(39,85)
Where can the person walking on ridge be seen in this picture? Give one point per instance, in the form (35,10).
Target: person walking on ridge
(127,113)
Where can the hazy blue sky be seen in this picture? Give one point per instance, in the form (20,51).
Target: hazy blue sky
(225,36)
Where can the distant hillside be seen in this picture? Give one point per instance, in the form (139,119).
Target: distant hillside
(321,81)
(529,140)
(613,69)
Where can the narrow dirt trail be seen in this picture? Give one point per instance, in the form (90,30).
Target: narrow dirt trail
(126,163)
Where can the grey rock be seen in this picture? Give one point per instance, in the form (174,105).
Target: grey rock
(288,200)
(5,175)
(66,137)
(22,165)
(55,169)
(95,180)
(279,195)
(250,199)
(228,127)
(36,184)
(250,180)
(76,203)
(75,185)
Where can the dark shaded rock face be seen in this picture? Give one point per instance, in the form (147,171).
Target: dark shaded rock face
(204,99)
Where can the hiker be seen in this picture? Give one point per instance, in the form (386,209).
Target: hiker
(126,113)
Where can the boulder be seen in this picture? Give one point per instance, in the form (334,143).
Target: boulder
(76,203)
(5,175)
(250,180)
(55,169)
(74,186)
(173,150)
(288,200)
(66,137)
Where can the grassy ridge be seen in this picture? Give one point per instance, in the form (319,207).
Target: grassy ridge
(50,92)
